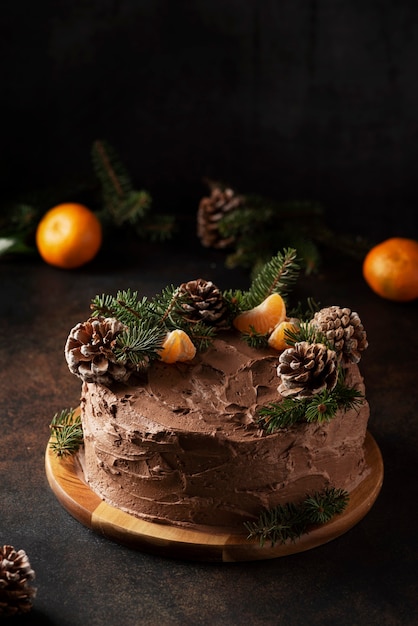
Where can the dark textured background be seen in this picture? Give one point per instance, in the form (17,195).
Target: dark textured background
(313,99)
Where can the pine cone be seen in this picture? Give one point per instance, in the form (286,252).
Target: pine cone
(211,210)
(202,301)
(15,573)
(343,328)
(306,369)
(89,351)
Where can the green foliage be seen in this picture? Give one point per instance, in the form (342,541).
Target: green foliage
(122,203)
(321,408)
(289,521)
(66,433)
(304,312)
(260,226)
(277,275)
(306,332)
(255,339)
(125,306)
(139,344)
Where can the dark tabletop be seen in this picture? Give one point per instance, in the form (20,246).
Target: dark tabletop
(367,576)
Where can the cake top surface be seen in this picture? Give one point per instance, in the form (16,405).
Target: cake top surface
(197,338)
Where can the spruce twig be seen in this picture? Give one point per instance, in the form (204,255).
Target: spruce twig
(289,521)
(122,203)
(275,276)
(320,408)
(66,433)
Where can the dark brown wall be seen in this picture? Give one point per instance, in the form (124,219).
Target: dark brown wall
(297,98)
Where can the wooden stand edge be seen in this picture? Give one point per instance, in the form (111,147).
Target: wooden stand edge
(65,479)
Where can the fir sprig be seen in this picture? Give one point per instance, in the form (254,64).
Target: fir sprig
(255,340)
(120,199)
(140,344)
(126,306)
(275,276)
(66,433)
(122,203)
(260,225)
(306,332)
(321,408)
(289,522)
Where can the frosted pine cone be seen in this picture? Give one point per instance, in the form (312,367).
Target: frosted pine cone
(89,351)
(15,573)
(211,210)
(306,369)
(344,330)
(203,302)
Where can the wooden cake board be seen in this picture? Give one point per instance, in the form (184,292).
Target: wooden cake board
(65,479)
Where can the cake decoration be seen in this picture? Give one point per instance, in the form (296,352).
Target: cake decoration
(210,409)
(16,576)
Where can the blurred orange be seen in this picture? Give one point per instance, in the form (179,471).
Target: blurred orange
(391,269)
(69,235)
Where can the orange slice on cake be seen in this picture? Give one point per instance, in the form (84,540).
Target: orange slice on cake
(263,318)
(278,338)
(177,346)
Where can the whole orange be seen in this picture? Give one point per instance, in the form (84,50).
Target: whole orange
(391,269)
(69,235)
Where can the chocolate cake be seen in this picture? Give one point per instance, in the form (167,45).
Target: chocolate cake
(209,438)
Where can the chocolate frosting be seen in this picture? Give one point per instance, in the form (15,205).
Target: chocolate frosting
(182,446)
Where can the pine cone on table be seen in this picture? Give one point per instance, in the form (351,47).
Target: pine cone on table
(15,573)
(202,301)
(211,210)
(344,330)
(89,351)
(307,369)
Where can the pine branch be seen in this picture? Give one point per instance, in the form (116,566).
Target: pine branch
(255,339)
(259,226)
(125,306)
(306,332)
(320,408)
(289,521)
(276,276)
(276,415)
(140,344)
(66,433)
(115,181)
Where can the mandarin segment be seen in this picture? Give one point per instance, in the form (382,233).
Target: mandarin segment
(177,346)
(262,318)
(278,338)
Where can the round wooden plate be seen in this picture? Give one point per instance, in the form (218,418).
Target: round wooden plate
(65,478)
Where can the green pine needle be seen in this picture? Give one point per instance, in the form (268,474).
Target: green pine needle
(140,344)
(66,433)
(122,203)
(114,179)
(321,408)
(276,276)
(125,306)
(289,521)
(321,507)
(255,339)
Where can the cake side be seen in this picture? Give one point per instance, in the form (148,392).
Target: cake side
(183,447)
